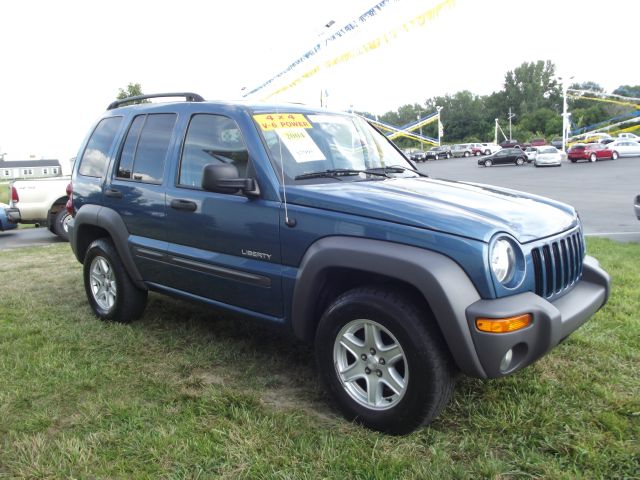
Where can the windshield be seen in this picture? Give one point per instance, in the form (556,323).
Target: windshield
(547,150)
(313,147)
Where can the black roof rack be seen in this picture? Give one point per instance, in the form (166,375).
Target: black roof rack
(189,97)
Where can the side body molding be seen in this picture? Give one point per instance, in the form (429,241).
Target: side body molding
(107,219)
(442,282)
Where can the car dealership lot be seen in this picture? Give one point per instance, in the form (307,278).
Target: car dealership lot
(603,191)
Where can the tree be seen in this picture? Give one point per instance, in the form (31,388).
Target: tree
(132,90)
(531,86)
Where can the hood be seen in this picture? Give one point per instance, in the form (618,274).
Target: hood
(466,209)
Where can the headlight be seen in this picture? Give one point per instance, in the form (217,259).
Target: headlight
(503,260)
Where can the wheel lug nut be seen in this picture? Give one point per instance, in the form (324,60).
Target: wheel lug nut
(378,373)
(367,370)
(381,361)
(373,351)
(363,356)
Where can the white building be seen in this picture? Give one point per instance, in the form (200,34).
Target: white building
(11,170)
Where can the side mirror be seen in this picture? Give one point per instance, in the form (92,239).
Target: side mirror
(224,178)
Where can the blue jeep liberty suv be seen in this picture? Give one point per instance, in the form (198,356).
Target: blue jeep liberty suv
(315,221)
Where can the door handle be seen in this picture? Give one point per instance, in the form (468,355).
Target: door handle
(187,205)
(110,192)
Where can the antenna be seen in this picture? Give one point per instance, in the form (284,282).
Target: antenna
(289,222)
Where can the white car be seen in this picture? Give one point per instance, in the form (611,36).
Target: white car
(629,136)
(548,157)
(531,153)
(625,148)
(490,148)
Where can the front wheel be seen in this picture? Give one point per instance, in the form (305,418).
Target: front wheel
(383,361)
(519,161)
(448,156)
(593,157)
(466,154)
(111,293)
(614,156)
(436,157)
(488,163)
(487,152)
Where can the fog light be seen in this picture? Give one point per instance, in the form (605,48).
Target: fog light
(506,360)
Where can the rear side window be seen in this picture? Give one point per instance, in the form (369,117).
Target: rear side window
(95,158)
(144,152)
(211,139)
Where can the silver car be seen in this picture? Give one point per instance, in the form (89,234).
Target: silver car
(548,157)
(625,148)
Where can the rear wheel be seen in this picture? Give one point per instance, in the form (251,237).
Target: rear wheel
(573,160)
(487,152)
(478,153)
(383,361)
(448,156)
(593,157)
(466,154)
(111,293)
(61,224)
(488,163)
(614,155)
(519,161)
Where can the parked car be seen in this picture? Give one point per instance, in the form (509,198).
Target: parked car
(537,142)
(513,143)
(505,156)
(418,156)
(531,153)
(42,201)
(548,156)
(625,148)
(461,150)
(9,217)
(397,281)
(629,136)
(557,142)
(594,137)
(490,148)
(436,153)
(591,152)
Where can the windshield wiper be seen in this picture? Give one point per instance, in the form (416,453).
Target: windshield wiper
(339,172)
(394,169)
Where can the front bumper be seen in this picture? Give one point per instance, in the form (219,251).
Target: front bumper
(551,322)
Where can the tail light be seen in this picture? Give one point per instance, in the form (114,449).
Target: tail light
(69,204)
(14,195)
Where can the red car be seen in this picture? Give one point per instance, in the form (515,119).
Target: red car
(591,152)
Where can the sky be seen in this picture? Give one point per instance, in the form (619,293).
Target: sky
(64,61)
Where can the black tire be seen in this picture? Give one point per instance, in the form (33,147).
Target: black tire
(478,153)
(614,156)
(593,157)
(111,293)
(60,224)
(487,152)
(436,157)
(519,161)
(488,163)
(423,364)
(448,156)
(466,154)
(573,160)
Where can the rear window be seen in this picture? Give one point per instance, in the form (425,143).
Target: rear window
(95,158)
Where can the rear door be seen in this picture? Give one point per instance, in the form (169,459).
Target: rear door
(136,189)
(222,247)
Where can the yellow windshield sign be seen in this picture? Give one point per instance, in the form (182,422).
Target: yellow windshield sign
(275,121)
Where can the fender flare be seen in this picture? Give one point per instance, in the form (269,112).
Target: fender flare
(110,221)
(443,283)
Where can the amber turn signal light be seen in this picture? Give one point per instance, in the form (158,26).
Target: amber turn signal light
(503,325)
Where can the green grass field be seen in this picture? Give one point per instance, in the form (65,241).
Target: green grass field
(184,393)
(4,192)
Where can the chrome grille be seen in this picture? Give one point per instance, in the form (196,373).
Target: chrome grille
(558,264)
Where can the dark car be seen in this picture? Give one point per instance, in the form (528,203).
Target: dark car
(396,281)
(506,156)
(591,152)
(513,143)
(557,142)
(418,156)
(9,217)
(436,153)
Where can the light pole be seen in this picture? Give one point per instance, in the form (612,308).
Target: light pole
(440,131)
(565,114)
(511,115)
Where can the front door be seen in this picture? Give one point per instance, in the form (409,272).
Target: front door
(223,247)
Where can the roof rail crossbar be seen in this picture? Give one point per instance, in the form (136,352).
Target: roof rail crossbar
(189,97)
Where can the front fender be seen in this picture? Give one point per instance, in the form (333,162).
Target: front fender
(442,282)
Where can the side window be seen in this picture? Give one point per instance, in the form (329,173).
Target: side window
(211,139)
(95,158)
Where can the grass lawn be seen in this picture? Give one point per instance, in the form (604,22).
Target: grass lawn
(4,193)
(184,393)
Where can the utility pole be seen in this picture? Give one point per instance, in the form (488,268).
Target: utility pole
(511,115)
(440,129)
(565,114)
